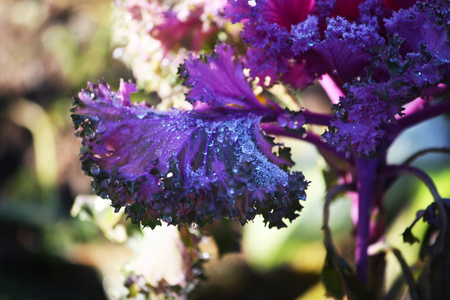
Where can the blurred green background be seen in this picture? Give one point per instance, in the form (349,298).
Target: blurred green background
(49,49)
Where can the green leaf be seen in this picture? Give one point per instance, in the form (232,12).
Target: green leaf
(330,177)
(435,278)
(426,247)
(413,290)
(331,280)
(348,281)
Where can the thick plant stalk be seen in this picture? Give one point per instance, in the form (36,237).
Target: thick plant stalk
(366,177)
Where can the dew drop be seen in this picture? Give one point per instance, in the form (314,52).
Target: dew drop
(340,112)
(117,101)
(235,169)
(220,138)
(87,95)
(248,147)
(295,124)
(234,136)
(89,133)
(95,170)
(334,72)
(141,114)
(251,187)
(167,218)
(283,120)
(100,128)
(247,157)
(240,191)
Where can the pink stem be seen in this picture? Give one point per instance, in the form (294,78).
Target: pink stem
(412,107)
(331,88)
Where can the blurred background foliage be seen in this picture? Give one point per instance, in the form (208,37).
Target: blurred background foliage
(53,249)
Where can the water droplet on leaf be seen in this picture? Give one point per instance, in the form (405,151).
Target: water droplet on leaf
(340,112)
(141,114)
(101,128)
(248,147)
(89,133)
(95,170)
(117,101)
(283,120)
(167,218)
(234,136)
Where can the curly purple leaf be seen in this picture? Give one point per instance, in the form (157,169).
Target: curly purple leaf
(182,167)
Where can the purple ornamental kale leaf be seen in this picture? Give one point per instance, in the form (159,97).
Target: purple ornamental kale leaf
(424,56)
(181,166)
(218,80)
(286,13)
(413,59)
(267,26)
(424,25)
(361,128)
(345,50)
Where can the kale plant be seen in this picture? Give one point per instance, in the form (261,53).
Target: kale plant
(385,66)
